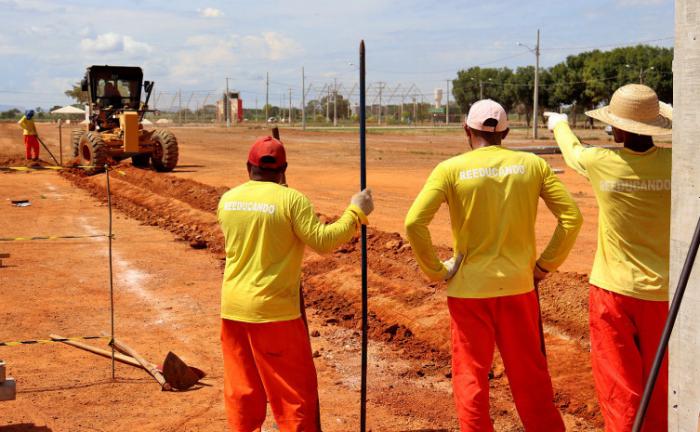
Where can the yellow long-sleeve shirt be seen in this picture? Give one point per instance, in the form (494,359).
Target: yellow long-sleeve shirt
(492,194)
(633,191)
(28,126)
(265,227)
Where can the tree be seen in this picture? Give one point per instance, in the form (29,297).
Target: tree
(77,94)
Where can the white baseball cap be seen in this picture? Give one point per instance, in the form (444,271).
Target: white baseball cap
(483,113)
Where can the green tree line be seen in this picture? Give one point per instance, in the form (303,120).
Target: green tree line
(581,82)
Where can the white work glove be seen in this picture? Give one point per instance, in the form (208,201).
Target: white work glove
(554,118)
(452,265)
(364,201)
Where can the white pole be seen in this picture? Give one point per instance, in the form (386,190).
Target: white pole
(227,107)
(447,105)
(303,100)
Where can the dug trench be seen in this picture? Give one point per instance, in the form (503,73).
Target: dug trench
(406,311)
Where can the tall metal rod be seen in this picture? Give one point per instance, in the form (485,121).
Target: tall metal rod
(111,282)
(363,185)
(668,328)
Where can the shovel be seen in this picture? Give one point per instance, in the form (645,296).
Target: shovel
(173,375)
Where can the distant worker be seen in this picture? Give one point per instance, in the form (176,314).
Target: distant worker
(492,194)
(266,347)
(629,281)
(31,140)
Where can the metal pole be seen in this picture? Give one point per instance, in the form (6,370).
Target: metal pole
(328,105)
(381,87)
(111,279)
(303,100)
(335,102)
(267,94)
(668,328)
(447,104)
(290,107)
(363,185)
(227,107)
(535,96)
(179,106)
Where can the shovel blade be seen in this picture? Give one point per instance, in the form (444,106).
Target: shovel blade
(178,374)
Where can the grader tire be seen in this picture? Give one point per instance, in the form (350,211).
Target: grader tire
(140,160)
(93,152)
(75,136)
(165,151)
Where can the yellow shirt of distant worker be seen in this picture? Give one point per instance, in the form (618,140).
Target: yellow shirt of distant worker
(27,125)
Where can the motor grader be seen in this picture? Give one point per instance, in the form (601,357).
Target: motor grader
(114,131)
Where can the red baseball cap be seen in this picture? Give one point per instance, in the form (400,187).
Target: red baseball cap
(267,153)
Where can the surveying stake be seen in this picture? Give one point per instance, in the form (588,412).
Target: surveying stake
(111,277)
(363,185)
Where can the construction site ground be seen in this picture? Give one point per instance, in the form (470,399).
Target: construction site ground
(167,274)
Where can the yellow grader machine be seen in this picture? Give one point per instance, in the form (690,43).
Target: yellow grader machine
(114,131)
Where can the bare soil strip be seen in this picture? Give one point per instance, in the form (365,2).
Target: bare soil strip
(407,312)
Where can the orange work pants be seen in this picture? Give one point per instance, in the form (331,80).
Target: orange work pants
(269,362)
(512,323)
(625,333)
(31,143)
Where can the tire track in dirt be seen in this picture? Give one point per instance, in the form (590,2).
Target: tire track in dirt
(407,312)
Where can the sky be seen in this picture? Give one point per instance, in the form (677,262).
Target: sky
(192,46)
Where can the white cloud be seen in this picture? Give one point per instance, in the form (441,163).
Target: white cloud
(280,47)
(111,43)
(210,13)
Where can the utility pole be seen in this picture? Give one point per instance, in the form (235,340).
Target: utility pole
(227,106)
(328,104)
(415,119)
(537,87)
(447,104)
(290,106)
(335,102)
(381,87)
(267,95)
(179,106)
(303,100)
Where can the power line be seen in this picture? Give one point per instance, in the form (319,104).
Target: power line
(619,44)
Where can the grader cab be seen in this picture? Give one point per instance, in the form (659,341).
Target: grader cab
(114,131)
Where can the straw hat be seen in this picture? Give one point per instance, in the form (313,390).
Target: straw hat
(636,108)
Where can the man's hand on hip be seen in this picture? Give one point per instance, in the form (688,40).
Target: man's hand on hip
(364,201)
(452,265)
(539,274)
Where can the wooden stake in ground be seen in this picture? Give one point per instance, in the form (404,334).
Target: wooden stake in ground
(111,279)
(60,141)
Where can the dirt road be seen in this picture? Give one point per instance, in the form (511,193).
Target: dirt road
(167,292)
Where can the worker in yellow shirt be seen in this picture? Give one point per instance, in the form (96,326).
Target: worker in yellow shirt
(267,353)
(629,281)
(31,140)
(492,194)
